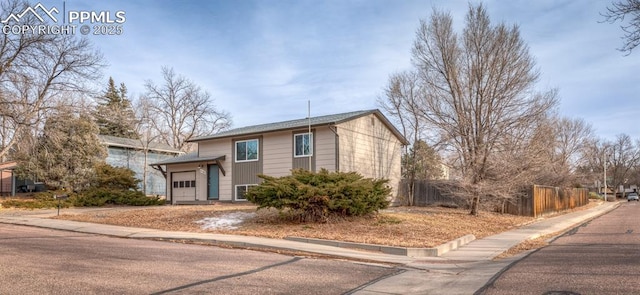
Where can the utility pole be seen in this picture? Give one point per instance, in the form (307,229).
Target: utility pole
(310,137)
(605,176)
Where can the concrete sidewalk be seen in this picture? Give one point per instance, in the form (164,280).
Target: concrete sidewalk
(462,271)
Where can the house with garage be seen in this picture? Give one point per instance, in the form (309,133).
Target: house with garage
(136,155)
(226,164)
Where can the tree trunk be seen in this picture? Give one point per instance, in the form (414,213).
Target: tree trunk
(475,203)
(412,191)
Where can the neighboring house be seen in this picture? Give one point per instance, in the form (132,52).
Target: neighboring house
(229,162)
(137,155)
(7,180)
(446,172)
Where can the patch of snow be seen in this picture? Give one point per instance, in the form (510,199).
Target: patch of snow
(226,221)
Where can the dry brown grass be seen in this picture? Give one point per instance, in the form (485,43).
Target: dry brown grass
(398,226)
(527,245)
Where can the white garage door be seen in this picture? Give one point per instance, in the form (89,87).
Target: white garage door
(183,187)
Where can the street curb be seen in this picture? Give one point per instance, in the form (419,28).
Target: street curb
(403,251)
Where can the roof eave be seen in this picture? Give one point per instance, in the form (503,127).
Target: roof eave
(188,161)
(384,120)
(142,148)
(257,133)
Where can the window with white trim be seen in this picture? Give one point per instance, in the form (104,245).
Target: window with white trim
(241,190)
(247,150)
(303,145)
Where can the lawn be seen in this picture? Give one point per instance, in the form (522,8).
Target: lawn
(396,226)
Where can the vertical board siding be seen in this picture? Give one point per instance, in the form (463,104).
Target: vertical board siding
(246,172)
(135,160)
(215,148)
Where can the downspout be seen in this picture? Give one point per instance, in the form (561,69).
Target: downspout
(334,129)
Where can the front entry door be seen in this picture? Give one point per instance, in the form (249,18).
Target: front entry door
(213,182)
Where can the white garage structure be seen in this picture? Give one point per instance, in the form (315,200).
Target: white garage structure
(183,186)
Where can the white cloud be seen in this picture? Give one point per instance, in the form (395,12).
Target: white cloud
(262,60)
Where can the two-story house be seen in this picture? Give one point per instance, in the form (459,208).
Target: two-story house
(226,164)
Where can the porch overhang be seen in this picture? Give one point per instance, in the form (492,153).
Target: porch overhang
(189,158)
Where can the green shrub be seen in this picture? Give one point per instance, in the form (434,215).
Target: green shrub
(96,197)
(41,200)
(316,196)
(35,204)
(101,196)
(118,178)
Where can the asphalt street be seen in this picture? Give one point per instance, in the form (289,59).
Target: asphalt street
(600,257)
(44,261)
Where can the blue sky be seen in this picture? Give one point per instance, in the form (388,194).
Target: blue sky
(262,60)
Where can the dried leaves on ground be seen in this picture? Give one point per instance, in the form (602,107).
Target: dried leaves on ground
(397,226)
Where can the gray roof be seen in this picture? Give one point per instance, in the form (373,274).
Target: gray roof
(301,123)
(136,144)
(188,158)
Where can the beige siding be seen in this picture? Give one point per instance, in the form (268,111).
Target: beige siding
(325,148)
(220,147)
(368,147)
(277,153)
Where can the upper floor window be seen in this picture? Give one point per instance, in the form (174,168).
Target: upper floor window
(247,150)
(303,145)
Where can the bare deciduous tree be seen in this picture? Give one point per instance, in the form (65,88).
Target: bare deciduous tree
(591,162)
(181,110)
(401,99)
(478,89)
(571,137)
(626,9)
(34,70)
(622,157)
(147,134)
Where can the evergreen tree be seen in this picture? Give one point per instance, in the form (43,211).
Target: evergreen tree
(421,162)
(114,114)
(65,153)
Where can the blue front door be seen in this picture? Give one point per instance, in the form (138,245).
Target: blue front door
(213,182)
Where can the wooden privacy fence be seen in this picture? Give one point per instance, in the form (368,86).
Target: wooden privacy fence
(542,200)
(426,193)
(538,200)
